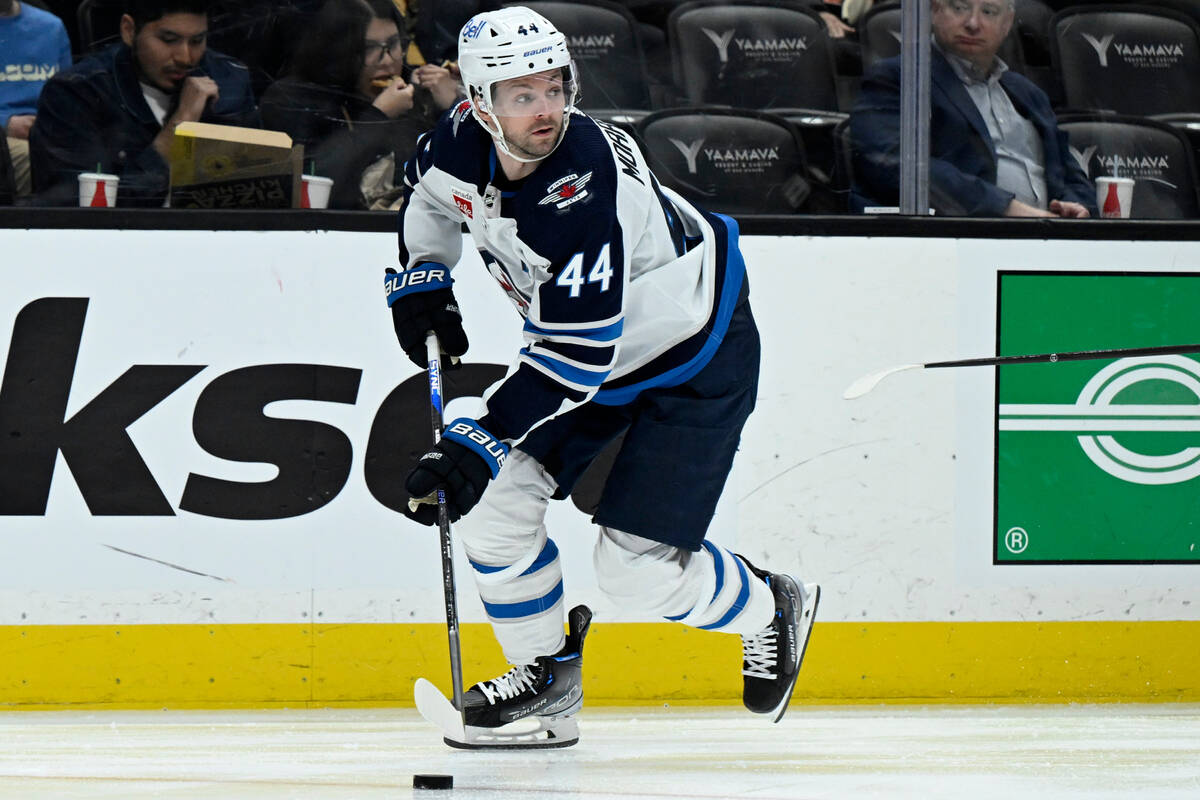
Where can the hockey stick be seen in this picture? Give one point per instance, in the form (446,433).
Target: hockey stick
(868,382)
(434,355)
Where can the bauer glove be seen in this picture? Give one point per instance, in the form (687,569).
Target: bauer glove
(422,301)
(462,463)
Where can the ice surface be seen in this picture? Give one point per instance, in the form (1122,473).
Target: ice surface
(1147,752)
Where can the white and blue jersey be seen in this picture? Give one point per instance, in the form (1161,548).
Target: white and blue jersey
(623,284)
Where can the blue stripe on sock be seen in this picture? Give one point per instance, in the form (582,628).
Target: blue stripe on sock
(527,608)
(484,568)
(719,567)
(548,554)
(739,605)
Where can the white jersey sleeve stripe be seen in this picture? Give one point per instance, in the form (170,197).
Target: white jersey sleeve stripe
(578,378)
(600,331)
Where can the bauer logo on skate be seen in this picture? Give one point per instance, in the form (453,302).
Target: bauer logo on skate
(1101,421)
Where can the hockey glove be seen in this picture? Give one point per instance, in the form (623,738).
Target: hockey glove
(422,301)
(462,463)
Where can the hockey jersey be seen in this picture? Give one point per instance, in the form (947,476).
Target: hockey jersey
(623,285)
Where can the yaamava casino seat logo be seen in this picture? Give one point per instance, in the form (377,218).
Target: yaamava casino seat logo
(1098,461)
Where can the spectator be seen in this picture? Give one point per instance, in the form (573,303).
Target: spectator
(347,101)
(33,47)
(260,33)
(995,145)
(117,109)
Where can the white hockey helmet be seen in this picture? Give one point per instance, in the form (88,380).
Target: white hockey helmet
(512,42)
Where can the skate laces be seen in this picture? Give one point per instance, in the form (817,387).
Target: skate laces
(760,653)
(508,685)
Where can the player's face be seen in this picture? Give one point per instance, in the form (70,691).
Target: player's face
(530,110)
(167,49)
(972,29)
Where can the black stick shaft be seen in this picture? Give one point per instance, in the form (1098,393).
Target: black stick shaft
(436,404)
(1078,355)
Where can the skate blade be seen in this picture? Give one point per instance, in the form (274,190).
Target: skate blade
(527,734)
(804,629)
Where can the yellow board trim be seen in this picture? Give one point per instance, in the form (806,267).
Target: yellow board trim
(255,666)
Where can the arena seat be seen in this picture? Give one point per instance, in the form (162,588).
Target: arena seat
(99,23)
(1129,59)
(772,55)
(737,161)
(1157,155)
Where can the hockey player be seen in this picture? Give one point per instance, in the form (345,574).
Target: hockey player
(636,322)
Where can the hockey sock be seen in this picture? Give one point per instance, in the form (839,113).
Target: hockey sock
(524,603)
(732,599)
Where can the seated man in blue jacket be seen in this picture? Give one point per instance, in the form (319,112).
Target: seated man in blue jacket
(117,109)
(995,147)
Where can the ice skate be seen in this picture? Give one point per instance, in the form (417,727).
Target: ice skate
(772,657)
(530,706)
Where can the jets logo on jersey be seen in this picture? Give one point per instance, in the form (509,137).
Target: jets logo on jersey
(567,190)
(463,201)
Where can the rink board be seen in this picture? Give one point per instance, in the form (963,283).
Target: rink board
(238,545)
(203,666)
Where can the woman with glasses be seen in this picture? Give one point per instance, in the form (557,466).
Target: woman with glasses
(351,101)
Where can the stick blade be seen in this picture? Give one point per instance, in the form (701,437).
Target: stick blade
(435,708)
(868,382)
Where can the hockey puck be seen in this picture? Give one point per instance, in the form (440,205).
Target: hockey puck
(433,781)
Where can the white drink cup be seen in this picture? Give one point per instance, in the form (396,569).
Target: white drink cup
(1114,196)
(97,189)
(315,192)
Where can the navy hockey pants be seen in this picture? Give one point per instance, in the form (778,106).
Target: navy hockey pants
(678,448)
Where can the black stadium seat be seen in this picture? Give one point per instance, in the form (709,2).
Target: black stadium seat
(1157,155)
(730,160)
(99,23)
(879,32)
(604,43)
(1129,59)
(843,162)
(766,54)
